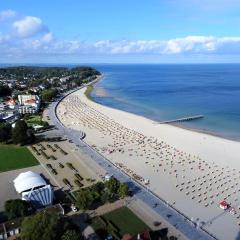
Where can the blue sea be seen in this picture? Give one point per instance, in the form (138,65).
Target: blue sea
(164,92)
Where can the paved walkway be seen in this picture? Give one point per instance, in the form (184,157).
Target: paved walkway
(160,206)
(109,207)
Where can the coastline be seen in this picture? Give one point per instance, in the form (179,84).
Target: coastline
(114,133)
(198,130)
(194,130)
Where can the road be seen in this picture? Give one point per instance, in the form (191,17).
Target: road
(188,228)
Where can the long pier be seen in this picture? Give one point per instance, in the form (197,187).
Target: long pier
(190,118)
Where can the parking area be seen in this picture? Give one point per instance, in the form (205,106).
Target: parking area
(65,163)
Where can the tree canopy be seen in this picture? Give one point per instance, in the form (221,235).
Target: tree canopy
(48,94)
(84,199)
(4,90)
(16,208)
(123,190)
(71,235)
(100,193)
(43,225)
(21,134)
(113,184)
(5,132)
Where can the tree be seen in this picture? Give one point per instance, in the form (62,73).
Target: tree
(5,91)
(123,190)
(48,94)
(97,191)
(84,199)
(16,208)
(5,132)
(21,134)
(43,225)
(106,196)
(112,184)
(71,235)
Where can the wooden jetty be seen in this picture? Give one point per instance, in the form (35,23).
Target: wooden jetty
(190,118)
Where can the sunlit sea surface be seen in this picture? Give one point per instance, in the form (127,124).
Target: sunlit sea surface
(165,92)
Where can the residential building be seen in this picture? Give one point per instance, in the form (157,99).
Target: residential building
(28,103)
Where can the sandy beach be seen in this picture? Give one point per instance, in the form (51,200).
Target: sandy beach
(192,171)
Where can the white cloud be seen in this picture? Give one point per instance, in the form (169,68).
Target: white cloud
(28,26)
(47,38)
(7,14)
(32,38)
(45,44)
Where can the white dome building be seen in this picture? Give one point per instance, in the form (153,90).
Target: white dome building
(33,188)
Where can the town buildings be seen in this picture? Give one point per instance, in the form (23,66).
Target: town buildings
(28,103)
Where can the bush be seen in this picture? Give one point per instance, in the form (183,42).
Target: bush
(78,183)
(54,171)
(61,165)
(65,181)
(56,145)
(63,152)
(5,132)
(53,157)
(70,166)
(45,155)
(71,235)
(78,176)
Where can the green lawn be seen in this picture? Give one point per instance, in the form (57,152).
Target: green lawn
(14,157)
(125,220)
(34,119)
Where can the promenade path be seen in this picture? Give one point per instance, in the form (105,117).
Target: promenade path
(184,225)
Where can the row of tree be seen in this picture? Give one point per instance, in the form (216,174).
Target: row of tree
(48,94)
(48,226)
(5,91)
(101,193)
(19,134)
(42,225)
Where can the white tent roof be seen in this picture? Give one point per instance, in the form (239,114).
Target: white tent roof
(28,180)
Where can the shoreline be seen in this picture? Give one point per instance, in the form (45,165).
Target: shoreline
(169,157)
(194,130)
(198,130)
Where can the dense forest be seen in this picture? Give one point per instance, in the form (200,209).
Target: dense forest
(46,72)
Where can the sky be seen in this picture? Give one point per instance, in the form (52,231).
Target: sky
(114,31)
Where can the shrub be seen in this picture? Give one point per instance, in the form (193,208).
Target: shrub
(53,157)
(78,176)
(65,181)
(70,166)
(61,165)
(54,171)
(78,183)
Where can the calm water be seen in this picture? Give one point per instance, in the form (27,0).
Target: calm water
(163,92)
